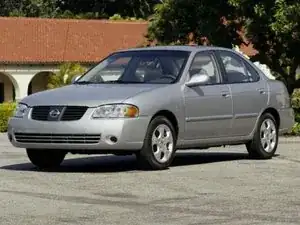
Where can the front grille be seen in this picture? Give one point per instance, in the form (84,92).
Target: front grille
(57,138)
(73,113)
(40,113)
(67,113)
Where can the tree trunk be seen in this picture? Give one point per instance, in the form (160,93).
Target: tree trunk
(291,82)
(290,89)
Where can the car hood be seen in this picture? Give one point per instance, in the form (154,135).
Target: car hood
(91,95)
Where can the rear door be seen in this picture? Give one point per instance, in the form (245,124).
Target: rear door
(249,91)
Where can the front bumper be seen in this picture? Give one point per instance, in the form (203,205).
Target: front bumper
(84,134)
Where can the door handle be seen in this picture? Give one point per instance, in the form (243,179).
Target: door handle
(261,91)
(225,95)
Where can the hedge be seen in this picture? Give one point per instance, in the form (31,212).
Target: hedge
(296,128)
(295,99)
(6,111)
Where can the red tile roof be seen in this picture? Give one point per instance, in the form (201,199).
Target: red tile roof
(36,40)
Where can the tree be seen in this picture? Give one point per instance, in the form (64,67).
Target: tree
(65,74)
(182,21)
(85,9)
(272,26)
(30,8)
(108,8)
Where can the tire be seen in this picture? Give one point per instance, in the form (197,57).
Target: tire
(258,148)
(45,159)
(153,156)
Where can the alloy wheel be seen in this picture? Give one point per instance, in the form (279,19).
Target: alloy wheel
(162,143)
(268,135)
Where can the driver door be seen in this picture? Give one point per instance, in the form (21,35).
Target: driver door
(208,108)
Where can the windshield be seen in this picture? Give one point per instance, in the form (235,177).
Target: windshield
(155,66)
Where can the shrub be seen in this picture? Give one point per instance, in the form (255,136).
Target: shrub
(295,98)
(119,17)
(6,111)
(296,104)
(296,129)
(116,17)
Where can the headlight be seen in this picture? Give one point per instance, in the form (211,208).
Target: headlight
(20,110)
(116,111)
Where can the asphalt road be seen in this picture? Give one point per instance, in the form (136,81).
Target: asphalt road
(219,186)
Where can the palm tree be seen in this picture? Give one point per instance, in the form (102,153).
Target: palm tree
(65,74)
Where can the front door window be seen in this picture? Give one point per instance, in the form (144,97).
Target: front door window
(205,63)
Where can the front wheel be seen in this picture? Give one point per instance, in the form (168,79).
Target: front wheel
(159,145)
(265,139)
(45,159)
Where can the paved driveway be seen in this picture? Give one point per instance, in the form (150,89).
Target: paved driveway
(220,186)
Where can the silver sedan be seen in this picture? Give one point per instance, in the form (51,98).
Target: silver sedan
(151,102)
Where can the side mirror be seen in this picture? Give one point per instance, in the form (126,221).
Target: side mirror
(75,78)
(198,79)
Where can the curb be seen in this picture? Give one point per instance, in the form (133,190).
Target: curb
(287,139)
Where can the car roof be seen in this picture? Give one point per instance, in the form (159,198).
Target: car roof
(189,48)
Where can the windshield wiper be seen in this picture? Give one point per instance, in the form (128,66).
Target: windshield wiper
(123,82)
(109,82)
(83,82)
(87,82)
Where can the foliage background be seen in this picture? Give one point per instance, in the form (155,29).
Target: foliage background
(6,111)
(65,74)
(82,9)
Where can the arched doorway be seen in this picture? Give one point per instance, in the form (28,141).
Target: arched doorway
(39,82)
(9,88)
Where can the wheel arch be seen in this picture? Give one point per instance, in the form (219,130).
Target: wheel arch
(170,116)
(274,113)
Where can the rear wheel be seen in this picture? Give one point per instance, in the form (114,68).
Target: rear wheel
(45,159)
(265,139)
(159,145)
